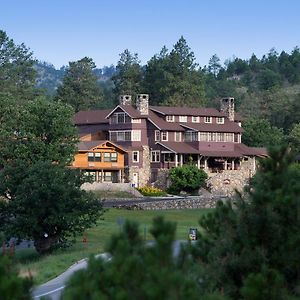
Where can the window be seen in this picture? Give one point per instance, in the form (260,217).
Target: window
(136,135)
(191,136)
(170,118)
(183,119)
(135,156)
(107,157)
(114,157)
(155,156)
(120,117)
(195,119)
(94,156)
(207,119)
(107,176)
(157,136)
(110,156)
(220,120)
(120,136)
(90,156)
(228,137)
(164,136)
(136,120)
(177,136)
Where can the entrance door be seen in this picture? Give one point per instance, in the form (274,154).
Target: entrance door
(135,179)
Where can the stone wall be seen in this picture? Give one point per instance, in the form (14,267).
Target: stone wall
(222,183)
(226,182)
(193,202)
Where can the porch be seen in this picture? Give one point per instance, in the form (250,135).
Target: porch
(112,176)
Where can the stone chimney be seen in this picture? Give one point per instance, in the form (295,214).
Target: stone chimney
(142,104)
(125,99)
(227,107)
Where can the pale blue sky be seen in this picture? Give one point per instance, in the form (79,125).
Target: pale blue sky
(59,31)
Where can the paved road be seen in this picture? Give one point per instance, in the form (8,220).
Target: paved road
(53,288)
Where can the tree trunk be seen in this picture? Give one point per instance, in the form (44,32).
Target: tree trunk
(45,244)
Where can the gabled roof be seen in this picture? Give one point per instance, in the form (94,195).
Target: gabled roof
(91,116)
(228,126)
(90,145)
(186,111)
(177,147)
(129,109)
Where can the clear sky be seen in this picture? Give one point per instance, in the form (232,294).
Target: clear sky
(59,31)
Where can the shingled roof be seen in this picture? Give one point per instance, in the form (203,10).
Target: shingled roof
(91,116)
(187,111)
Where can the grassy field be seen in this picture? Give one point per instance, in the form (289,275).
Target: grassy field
(44,268)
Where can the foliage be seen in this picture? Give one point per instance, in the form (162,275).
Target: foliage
(79,87)
(17,75)
(187,178)
(172,78)
(11,285)
(128,77)
(38,130)
(45,203)
(294,138)
(137,270)
(260,133)
(252,243)
(151,191)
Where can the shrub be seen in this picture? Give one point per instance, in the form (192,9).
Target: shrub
(151,191)
(187,178)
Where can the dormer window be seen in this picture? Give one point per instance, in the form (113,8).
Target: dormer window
(207,119)
(119,118)
(195,119)
(183,119)
(220,120)
(170,118)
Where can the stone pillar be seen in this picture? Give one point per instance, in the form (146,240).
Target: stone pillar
(125,99)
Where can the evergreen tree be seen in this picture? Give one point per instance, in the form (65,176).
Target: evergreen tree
(250,246)
(128,77)
(214,65)
(17,75)
(80,88)
(173,78)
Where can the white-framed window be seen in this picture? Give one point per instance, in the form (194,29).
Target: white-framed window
(135,156)
(207,119)
(195,119)
(136,120)
(191,136)
(229,137)
(155,156)
(183,119)
(136,135)
(157,136)
(177,136)
(170,118)
(107,176)
(94,156)
(220,120)
(120,117)
(164,136)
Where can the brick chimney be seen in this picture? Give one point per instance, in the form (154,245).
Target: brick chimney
(142,104)
(227,107)
(125,99)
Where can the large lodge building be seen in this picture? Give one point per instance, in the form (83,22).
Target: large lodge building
(138,143)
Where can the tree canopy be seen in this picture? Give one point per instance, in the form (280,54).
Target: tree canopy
(80,88)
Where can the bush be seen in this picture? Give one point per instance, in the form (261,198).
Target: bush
(151,191)
(187,178)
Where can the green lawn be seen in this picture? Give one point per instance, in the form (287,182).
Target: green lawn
(47,267)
